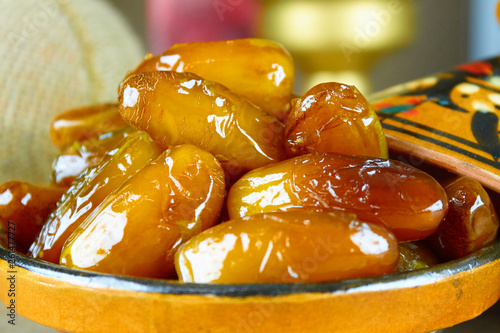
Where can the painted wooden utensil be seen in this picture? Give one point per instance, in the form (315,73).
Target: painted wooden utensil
(450,119)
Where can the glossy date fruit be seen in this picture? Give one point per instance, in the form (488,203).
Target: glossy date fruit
(182,108)
(138,228)
(85,123)
(288,247)
(414,256)
(89,190)
(70,163)
(406,200)
(470,224)
(23,209)
(334,118)
(260,70)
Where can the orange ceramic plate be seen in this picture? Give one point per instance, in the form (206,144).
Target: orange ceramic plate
(420,301)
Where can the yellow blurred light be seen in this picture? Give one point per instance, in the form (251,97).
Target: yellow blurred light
(353,78)
(316,24)
(338,35)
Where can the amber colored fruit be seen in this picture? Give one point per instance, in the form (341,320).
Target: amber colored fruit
(23,209)
(89,190)
(334,118)
(69,164)
(288,247)
(182,108)
(470,224)
(406,200)
(85,123)
(414,256)
(137,229)
(260,70)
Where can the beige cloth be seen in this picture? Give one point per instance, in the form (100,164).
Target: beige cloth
(54,55)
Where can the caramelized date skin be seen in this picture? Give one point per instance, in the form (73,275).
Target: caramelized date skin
(334,118)
(85,123)
(406,200)
(138,228)
(89,190)
(414,256)
(288,247)
(182,108)
(470,224)
(82,155)
(23,209)
(260,70)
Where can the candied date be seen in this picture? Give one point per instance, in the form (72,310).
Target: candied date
(287,247)
(406,200)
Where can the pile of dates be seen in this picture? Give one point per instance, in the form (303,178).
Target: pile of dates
(209,170)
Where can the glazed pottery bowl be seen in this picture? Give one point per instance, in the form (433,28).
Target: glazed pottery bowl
(419,301)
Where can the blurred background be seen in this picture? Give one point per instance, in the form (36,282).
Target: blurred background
(373,44)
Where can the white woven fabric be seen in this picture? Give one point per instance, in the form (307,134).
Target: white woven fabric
(54,55)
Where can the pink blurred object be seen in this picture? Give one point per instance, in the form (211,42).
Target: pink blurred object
(175,21)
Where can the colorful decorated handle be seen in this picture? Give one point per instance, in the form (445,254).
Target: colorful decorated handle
(450,119)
